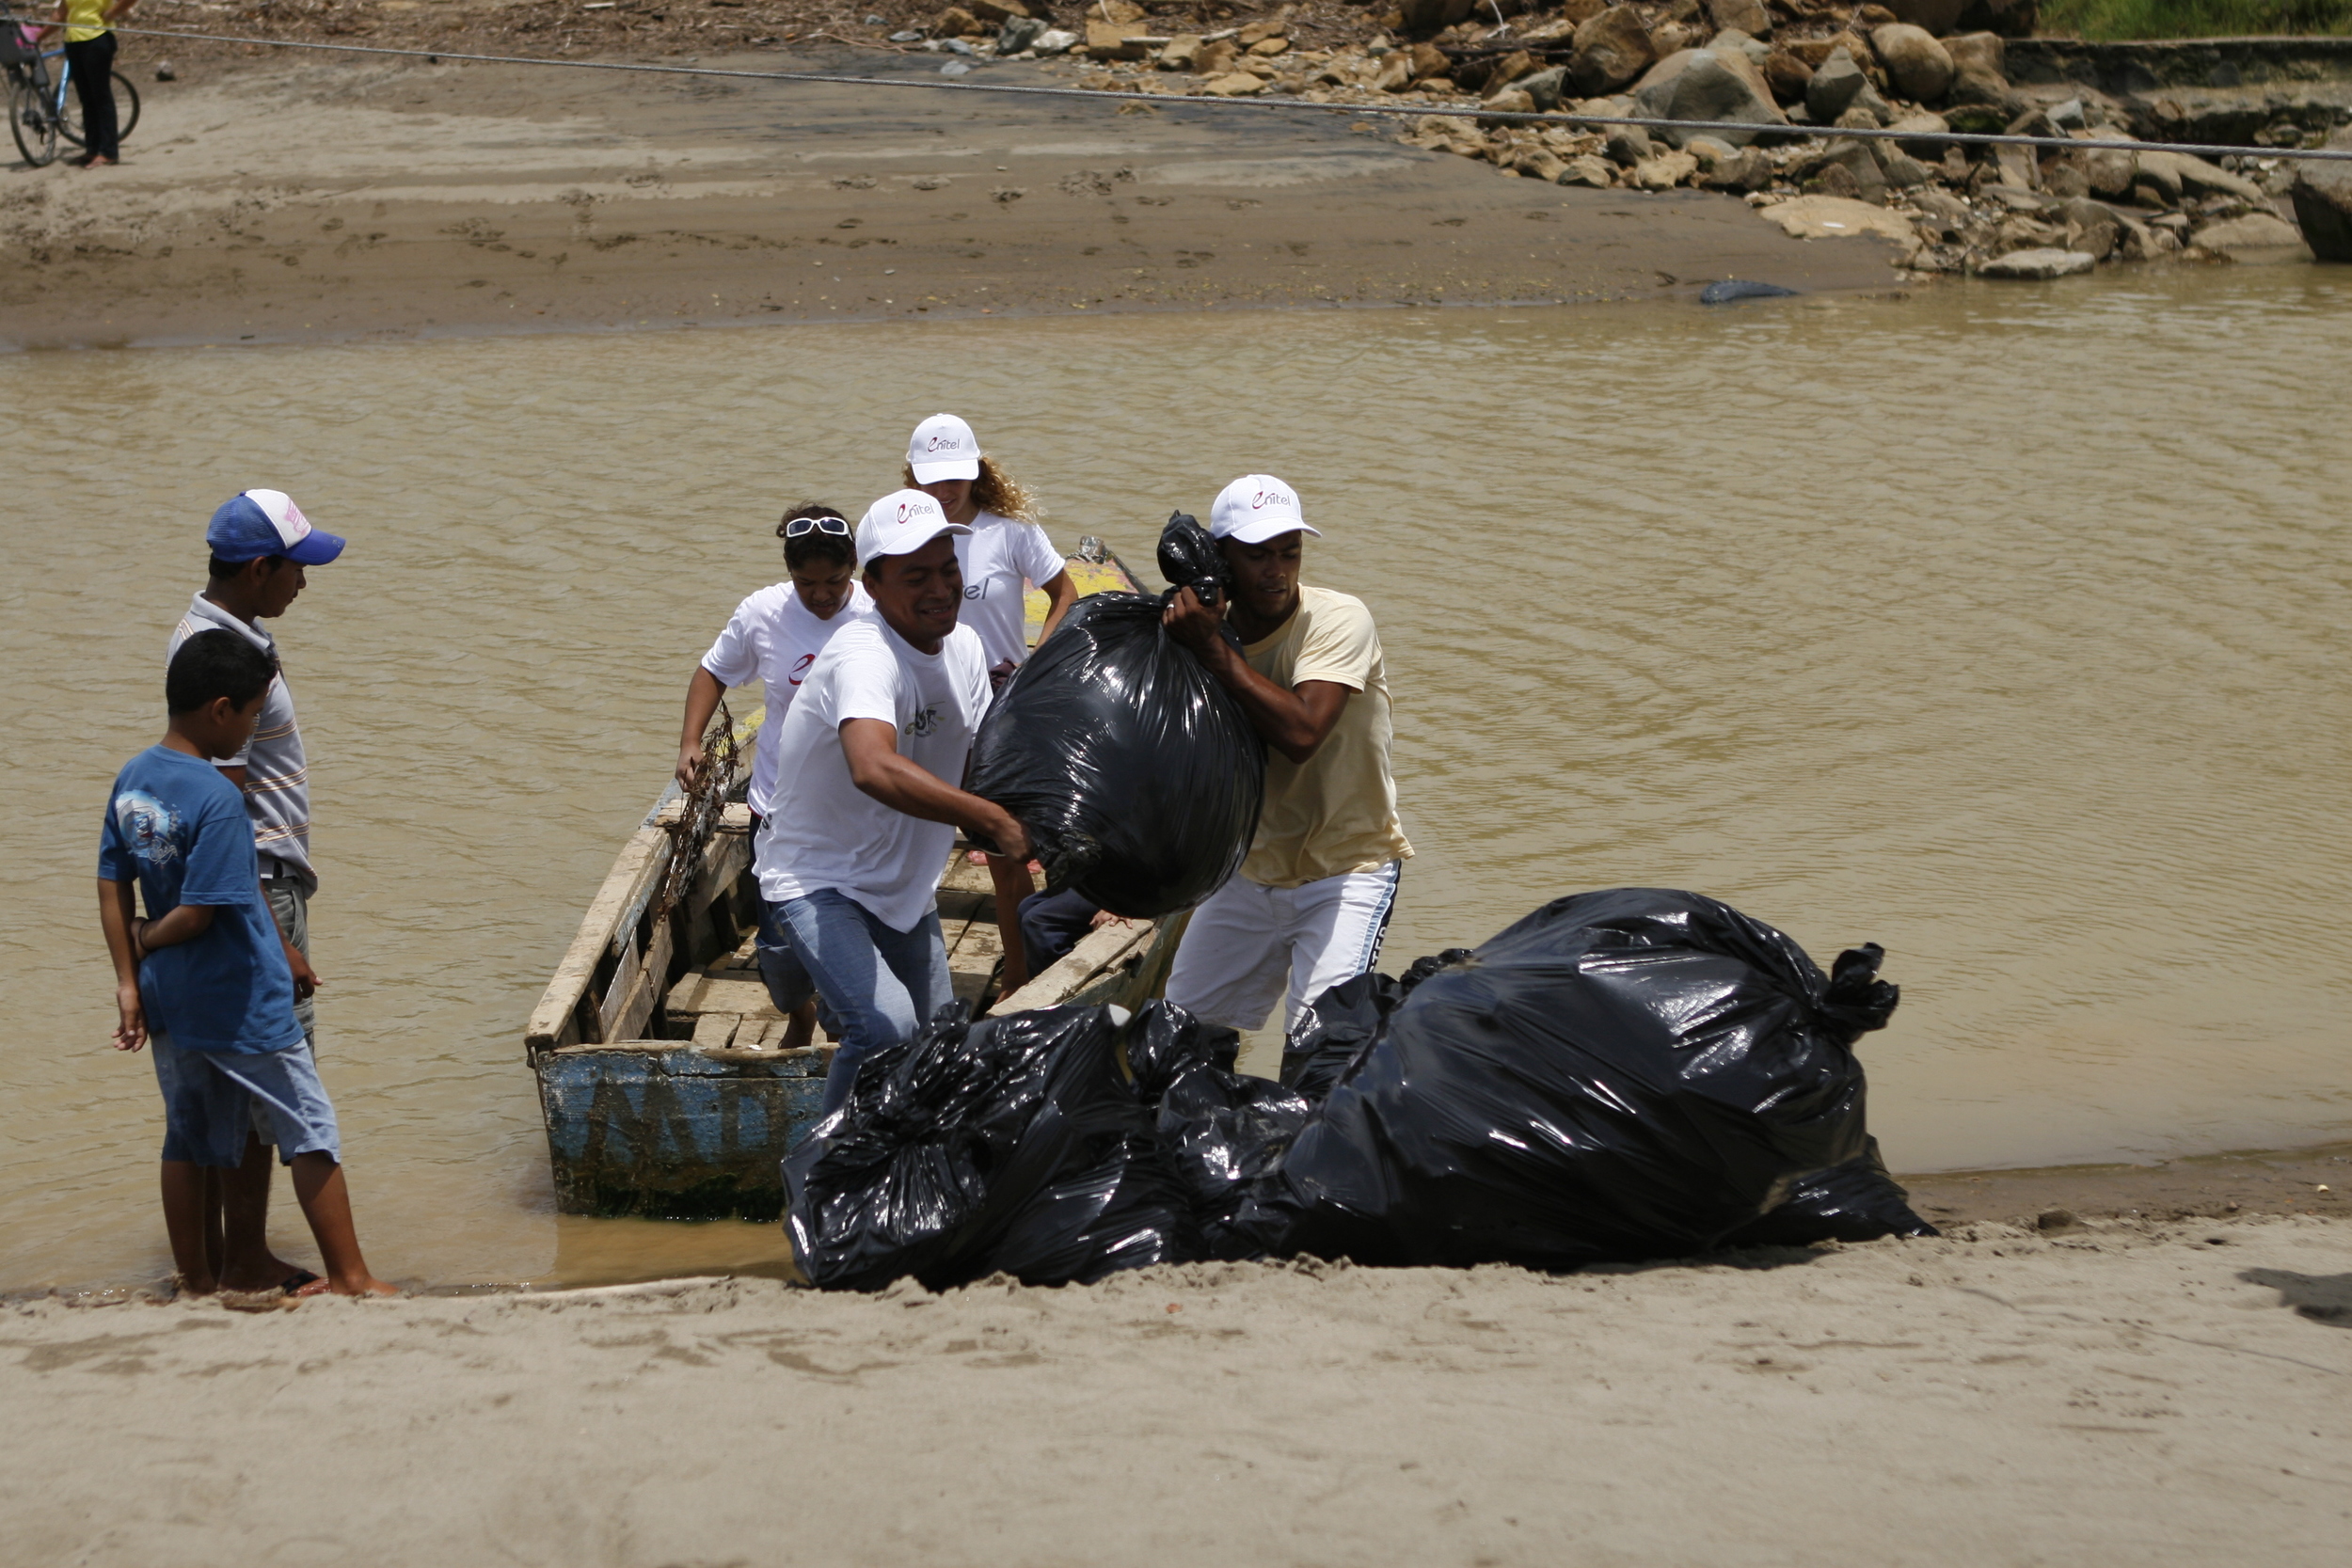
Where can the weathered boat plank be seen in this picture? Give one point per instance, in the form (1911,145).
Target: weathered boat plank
(644,857)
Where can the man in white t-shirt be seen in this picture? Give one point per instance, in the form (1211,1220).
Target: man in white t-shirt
(1311,904)
(867,790)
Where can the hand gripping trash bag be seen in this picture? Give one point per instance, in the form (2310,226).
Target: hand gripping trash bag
(1013,1144)
(1625,1075)
(1138,776)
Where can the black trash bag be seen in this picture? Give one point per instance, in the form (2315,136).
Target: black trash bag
(1189,558)
(1138,776)
(1857,1201)
(1634,1073)
(1013,1144)
(1335,1030)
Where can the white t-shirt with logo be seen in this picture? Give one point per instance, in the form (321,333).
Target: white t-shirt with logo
(775,637)
(829,833)
(998,558)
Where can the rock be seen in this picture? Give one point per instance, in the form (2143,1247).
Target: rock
(1419,19)
(2013,19)
(1819,217)
(1237,84)
(2090,228)
(1396,73)
(1429,60)
(1539,163)
(1937,16)
(1017,33)
(1786,75)
(2040,263)
(1115,40)
(1254,33)
(1745,16)
(1612,50)
(1628,145)
(1916,66)
(2255,232)
(1505,71)
(955,23)
(2107,172)
(1857,159)
(998,11)
(1981,52)
(1836,180)
(1511,100)
(1732,38)
(1544,87)
(2174,174)
(1116,11)
(1745,169)
(1267,48)
(1927,127)
(2322,194)
(1662,171)
(1181,50)
(1216,60)
(1836,82)
(1702,84)
(1708,149)
(1732,289)
(1585,170)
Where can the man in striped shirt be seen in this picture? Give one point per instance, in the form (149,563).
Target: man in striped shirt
(261,542)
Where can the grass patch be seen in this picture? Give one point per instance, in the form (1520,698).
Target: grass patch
(2194,19)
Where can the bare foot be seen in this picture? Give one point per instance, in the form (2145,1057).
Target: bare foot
(270,1274)
(367,1285)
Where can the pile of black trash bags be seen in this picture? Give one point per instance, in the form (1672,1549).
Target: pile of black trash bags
(1621,1075)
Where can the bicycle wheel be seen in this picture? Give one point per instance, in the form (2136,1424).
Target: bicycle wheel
(28,122)
(126,111)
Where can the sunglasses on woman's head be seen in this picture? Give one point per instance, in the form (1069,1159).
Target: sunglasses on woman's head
(799,525)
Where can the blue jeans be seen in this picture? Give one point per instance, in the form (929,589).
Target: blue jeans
(879,985)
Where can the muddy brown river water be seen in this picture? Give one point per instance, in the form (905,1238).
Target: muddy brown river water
(2003,626)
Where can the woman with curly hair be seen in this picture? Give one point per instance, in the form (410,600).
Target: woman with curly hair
(1004,553)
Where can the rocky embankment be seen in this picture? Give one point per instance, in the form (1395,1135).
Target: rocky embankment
(1786,78)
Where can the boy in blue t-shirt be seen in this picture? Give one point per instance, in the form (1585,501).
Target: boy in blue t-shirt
(205,974)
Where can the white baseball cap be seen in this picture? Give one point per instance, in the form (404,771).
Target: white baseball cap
(944,447)
(1256,508)
(900,523)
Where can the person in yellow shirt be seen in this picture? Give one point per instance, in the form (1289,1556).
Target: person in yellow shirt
(90,50)
(1311,901)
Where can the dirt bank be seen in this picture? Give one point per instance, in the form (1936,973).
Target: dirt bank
(277,201)
(2137,1392)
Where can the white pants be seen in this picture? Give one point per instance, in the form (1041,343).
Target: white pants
(1246,941)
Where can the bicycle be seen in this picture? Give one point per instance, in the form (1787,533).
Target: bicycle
(38,112)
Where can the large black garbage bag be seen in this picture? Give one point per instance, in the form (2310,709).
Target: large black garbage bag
(1219,1130)
(1857,1201)
(1189,558)
(1335,1030)
(1138,776)
(1625,1075)
(1013,1144)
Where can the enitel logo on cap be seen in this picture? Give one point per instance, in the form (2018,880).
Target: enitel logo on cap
(905,508)
(1264,498)
(945,443)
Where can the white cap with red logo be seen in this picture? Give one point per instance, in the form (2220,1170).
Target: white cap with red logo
(943,447)
(1256,508)
(900,523)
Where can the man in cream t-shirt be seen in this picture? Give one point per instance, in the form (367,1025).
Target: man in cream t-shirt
(866,792)
(1311,902)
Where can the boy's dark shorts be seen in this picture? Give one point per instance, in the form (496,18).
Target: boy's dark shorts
(212,1100)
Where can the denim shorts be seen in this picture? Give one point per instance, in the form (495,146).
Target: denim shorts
(212,1099)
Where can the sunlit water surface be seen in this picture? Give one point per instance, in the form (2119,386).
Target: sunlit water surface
(2003,626)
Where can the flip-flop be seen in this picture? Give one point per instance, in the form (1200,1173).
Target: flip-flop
(295,1283)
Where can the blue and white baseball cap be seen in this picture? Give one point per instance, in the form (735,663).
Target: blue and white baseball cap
(267,522)
(1256,508)
(900,523)
(944,447)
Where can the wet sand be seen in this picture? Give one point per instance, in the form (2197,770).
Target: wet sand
(278,201)
(2138,1392)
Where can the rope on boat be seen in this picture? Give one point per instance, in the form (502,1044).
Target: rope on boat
(705,806)
(1409,111)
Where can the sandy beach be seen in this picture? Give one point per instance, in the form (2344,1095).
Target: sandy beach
(2131,1392)
(307,197)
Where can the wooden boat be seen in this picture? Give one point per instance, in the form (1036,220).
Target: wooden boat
(663,1076)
